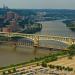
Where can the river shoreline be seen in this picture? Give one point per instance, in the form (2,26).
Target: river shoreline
(70,25)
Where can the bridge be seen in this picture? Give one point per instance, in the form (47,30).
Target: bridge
(36,38)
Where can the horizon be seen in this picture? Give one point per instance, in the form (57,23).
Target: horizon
(38,4)
(38,8)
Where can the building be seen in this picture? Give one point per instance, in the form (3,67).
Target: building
(1,21)
(13,23)
(10,15)
(16,16)
(6,29)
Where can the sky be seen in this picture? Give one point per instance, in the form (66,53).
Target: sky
(39,4)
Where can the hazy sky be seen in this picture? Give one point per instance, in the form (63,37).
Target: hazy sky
(65,4)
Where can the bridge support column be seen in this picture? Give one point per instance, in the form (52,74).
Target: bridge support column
(71,41)
(35,51)
(15,46)
(36,45)
(9,37)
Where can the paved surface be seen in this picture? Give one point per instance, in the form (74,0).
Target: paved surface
(38,70)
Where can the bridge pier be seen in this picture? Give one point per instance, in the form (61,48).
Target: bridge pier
(71,41)
(36,45)
(15,46)
(35,51)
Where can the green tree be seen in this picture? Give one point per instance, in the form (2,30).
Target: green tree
(69,69)
(3,38)
(71,50)
(58,67)
(14,69)
(4,73)
(51,66)
(37,64)
(44,64)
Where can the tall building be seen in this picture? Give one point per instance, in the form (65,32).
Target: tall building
(5,7)
(13,25)
(1,21)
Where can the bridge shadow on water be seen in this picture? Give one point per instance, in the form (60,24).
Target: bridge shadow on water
(53,44)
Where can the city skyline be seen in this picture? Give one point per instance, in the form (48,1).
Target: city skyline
(39,4)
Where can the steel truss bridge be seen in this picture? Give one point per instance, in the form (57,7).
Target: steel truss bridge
(36,38)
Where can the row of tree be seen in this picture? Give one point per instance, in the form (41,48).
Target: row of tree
(57,67)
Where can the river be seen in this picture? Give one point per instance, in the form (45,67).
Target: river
(55,28)
(8,56)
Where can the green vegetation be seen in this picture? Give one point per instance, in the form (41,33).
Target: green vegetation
(31,29)
(3,38)
(9,71)
(29,26)
(58,67)
(51,58)
(4,73)
(15,38)
(70,24)
(44,64)
(71,51)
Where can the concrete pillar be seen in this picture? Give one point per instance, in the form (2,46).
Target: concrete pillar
(36,45)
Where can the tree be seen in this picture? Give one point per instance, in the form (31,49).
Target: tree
(14,69)
(4,73)
(44,64)
(58,67)
(71,50)
(16,38)
(3,38)
(9,71)
(37,64)
(69,69)
(51,66)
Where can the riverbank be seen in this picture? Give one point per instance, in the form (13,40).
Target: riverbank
(70,24)
(32,29)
